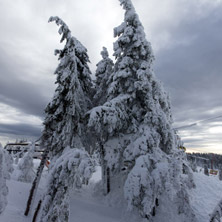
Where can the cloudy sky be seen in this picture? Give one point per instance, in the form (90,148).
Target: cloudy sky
(186,36)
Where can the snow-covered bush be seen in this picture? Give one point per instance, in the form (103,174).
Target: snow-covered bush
(25,167)
(17,156)
(194,166)
(3,187)
(8,164)
(206,171)
(72,164)
(155,174)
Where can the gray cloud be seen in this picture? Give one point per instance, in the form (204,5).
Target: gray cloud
(20,129)
(16,92)
(192,70)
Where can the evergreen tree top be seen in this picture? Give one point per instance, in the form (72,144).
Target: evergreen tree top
(71,41)
(104,53)
(64,29)
(131,36)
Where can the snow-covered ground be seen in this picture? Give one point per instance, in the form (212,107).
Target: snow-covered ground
(88,207)
(206,195)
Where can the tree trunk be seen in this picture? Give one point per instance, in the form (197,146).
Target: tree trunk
(35,183)
(108,179)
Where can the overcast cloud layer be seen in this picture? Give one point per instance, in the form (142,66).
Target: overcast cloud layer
(185,35)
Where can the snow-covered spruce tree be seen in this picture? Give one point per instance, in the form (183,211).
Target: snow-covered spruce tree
(72,164)
(64,121)
(63,124)
(135,130)
(3,187)
(25,167)
(103,73)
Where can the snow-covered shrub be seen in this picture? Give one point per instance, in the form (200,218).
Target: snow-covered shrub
(8,160)
(206,171)
(25,167)
(16,156)
(3,187)
(8,163)
(72,164)
(193,165)
(155,174)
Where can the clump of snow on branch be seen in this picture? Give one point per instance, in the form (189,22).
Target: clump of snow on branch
(154,175)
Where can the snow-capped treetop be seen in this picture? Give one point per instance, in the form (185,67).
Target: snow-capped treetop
(104,67)
(72,98)
(133,52)
(104,53)
(63,30)
(73,46)
(103,73)
(147,103)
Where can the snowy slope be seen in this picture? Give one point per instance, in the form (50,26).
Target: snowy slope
(206,196)
(86,207)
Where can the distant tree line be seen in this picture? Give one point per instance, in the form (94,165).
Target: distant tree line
(209,159)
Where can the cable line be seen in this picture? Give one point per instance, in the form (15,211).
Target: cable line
(194,124)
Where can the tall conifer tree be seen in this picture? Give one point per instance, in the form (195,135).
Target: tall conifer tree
(63,124)
(135,129)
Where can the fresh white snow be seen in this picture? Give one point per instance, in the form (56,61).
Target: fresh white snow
(86,206)
(205,197)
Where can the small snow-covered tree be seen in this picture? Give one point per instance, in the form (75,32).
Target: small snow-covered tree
(25,166)
(194,165)
(3,186)
(206,171)
(63,124)
(103,73)
(8,163)
(138,143)
(72,164)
